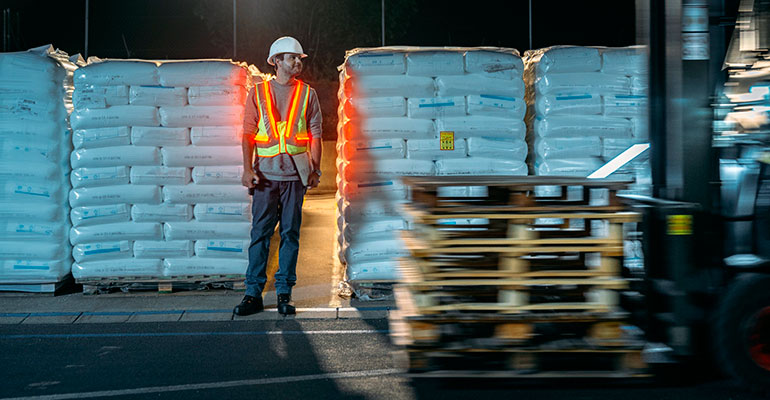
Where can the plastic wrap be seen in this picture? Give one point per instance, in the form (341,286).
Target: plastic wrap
(405,110)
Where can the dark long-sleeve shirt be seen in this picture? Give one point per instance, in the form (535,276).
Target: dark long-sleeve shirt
(280,167)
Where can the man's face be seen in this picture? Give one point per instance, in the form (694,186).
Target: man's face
(290,63)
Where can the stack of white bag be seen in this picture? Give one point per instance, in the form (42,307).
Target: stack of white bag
(156,169)
(587,105)
(418,112)
(34,168)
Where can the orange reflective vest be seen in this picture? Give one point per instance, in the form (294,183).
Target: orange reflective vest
(281,137)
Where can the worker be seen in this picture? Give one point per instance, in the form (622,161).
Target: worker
(282,121)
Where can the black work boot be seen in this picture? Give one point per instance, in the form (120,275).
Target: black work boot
(249,305)
(283,305)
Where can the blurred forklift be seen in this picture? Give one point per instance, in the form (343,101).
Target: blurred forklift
(704,290)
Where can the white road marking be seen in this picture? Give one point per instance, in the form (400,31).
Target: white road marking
(211,385)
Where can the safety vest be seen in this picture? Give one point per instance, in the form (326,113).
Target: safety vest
(281,137)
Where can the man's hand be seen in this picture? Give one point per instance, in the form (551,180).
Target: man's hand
(313,180)
(249,178)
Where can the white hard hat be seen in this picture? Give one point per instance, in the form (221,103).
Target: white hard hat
(285,44)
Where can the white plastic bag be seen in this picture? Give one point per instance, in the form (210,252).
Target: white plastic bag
(117,72)
(103,176)
(377,63)
(496,106)
(512,149)
(101,137)
(92,96)
(480,166)
(159,136)
(434,63)
(201,73)
(494,64)
(163,248)
(389,128)
(159,175)
(194,194)
(216,135)
(115,156)
(87,118)
(582,126)
(203,266)
(483,126)
(116,232)
(464,85)
(157,96)
(220,175)
(94,215)
(161,212)
(222,249)
(101,251)
(222,212)
(373,149)
(124,267)
(431,149)
(189,116)
(104,195)
(436,107)
(216,95)
(193,156)
(196,230)
(389,86)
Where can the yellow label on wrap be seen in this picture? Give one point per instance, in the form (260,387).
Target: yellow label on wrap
(446,140)
(679,224)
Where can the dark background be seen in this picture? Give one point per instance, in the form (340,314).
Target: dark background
(180,29)
(174,29)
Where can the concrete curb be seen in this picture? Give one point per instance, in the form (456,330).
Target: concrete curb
(106,317)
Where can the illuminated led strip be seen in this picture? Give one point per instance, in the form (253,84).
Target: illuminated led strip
(293,109)
(270,111)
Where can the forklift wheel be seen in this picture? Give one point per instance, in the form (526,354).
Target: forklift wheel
(743,331)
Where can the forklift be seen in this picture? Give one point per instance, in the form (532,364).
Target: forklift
(703,293)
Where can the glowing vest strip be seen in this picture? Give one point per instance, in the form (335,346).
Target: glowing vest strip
(275,136)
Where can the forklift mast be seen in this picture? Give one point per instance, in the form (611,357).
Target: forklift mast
(687,40)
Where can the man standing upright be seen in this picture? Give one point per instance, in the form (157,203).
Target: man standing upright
(282,122)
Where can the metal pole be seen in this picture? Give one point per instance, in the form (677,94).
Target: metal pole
(235,25)
(383,22)
(530,24)
(5,30)
(86,41)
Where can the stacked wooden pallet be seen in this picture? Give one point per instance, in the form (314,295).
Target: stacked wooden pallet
(523,280)
(163,285)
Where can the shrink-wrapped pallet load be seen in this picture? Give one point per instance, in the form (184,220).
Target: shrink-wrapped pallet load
(35,141)
(586,106)
(156,169)
(418,111)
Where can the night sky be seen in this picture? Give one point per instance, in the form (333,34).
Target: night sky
(174,29)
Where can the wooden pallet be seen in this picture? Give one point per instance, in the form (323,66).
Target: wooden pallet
(503,227)
(528,266)
(12,289)
(518,192)
(520,297)
(600,330)
(161,284)
(525,363)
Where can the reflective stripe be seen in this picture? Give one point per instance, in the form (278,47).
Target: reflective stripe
(293,150)
(270,110)
(271,151)
(293,109)
(291,134)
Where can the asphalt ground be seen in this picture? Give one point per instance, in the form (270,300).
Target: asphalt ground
(189,345)
(279,359)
